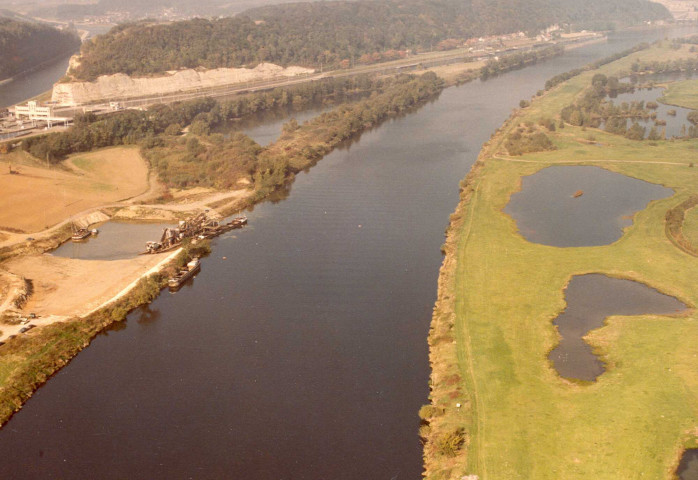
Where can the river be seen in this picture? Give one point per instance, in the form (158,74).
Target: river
(41,80)
(299,351)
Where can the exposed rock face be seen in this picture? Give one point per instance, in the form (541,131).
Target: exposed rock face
(121,86)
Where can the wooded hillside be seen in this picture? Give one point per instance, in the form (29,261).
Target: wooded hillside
(24,45)
(327,33)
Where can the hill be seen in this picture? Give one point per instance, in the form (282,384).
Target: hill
(328,33)
(24,45)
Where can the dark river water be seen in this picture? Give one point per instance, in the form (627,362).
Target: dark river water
(546,210)
(299,351)
(590,300)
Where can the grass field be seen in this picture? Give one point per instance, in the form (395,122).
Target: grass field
(38,196)
(498,295)
(682,94)
(690,226)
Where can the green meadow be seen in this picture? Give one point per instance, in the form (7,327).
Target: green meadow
(493,388)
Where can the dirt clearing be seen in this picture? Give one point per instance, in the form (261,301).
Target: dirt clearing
(37,197)
(64,286)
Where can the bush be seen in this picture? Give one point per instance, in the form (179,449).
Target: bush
(450,443)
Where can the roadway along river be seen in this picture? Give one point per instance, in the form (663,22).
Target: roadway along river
(300,351)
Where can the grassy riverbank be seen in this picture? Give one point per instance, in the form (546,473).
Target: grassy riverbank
(498,294)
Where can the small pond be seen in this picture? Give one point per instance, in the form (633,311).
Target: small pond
(688,468)
(590,299)
(116,241)
(546,210)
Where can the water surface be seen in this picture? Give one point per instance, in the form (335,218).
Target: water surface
(590,300)
(688,468)
(266,129)
(547,211)
(116,241)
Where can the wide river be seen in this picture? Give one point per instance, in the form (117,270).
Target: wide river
(299,351)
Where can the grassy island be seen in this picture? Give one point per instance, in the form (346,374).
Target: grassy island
(499,410)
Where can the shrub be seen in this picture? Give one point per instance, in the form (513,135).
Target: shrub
(450,443)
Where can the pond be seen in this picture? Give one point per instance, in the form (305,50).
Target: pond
(688,468)
(547,211)
(590,300)
(115,241)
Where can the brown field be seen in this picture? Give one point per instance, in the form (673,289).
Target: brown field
(40,197)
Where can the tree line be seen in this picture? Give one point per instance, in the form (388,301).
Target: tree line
(202,115)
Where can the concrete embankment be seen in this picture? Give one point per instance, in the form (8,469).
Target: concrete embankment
(121,86)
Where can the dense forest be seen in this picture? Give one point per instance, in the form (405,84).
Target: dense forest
(24,45)
(336,33)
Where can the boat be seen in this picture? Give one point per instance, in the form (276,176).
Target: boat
(184,274)
(237,222)
(578,193)
(80,234)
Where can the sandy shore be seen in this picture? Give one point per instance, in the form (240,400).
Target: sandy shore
(65,287)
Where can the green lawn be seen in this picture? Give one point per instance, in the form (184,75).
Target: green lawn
(682,94)
(501,294)
(690,226)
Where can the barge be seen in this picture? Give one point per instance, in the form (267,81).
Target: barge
(80,234)
(184,274)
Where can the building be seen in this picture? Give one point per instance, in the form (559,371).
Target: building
(32,111)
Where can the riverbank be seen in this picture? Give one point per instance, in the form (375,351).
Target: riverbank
(498,408)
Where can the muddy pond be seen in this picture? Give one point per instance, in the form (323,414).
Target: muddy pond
(688,468)
(549,210)
(115,241)
(590,300)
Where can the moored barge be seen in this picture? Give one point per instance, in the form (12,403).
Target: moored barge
(184,274)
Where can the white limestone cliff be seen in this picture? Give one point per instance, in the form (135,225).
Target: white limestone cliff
(121,86)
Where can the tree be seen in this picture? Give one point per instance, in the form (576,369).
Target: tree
(654,134)
(635,132)
(693,117)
